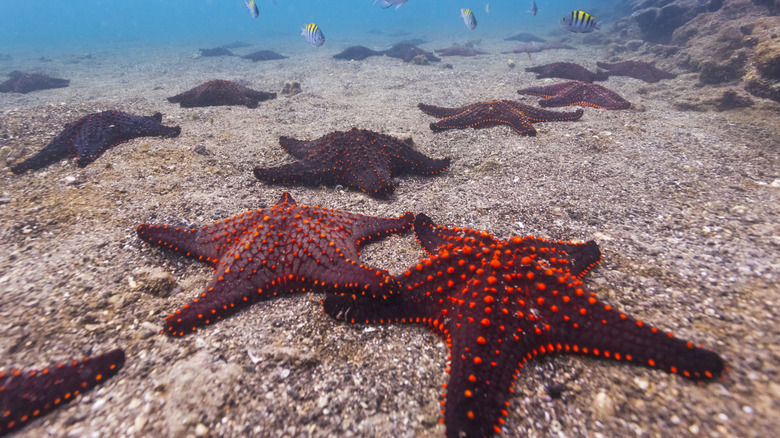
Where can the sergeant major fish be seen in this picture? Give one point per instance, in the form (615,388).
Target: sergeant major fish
(534,8)
(387,3)
(469,18)
(313,35)
(580,22)
(252,8)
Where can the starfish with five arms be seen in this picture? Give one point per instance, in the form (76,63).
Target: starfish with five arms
(285,248)
(500,304)
(357,158)
(494,113)
(577,93)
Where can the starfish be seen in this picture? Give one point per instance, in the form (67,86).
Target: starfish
(25,83)
(264,55)
(407,52)
(500,304)
(577,93)
(285,248)
(637,70)
(459,50)
(567,70)
(90,136)
(217,51)
(357,158)
(356,53)
(24,396)
(219,92)
(493,113)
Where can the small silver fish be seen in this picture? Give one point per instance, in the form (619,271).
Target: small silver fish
(469,18)
(487,8)
(387,3)
(534,8)
(580,22)
(252,8)
(313,35)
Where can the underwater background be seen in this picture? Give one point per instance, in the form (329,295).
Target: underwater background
(84,24)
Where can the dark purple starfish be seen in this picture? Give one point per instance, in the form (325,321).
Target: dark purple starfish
(407,52)
(577,93)
(90,136)
(500,304)
(356,53)
(219,92)
(286,248)
(26,395)
(26,82)
(459,50)
(567,70)
(493,113)
(636,69)
(357,158)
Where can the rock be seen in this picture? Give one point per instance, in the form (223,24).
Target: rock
(155,281)
(714,73)
(420,60)
(768,59)
(603,406)
(291,89)
(732,100)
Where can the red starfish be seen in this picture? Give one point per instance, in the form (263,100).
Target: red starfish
(285,248)
(494,113)
(502,303)
(24,396)
(578,93)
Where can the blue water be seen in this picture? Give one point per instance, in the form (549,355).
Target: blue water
(72,25)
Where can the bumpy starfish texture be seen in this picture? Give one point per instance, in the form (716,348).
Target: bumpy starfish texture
(285,248)
(219,92)
(500,304)
(636,69)
(357,158)
(567,70)
(496,112)
(577,93)
(90,136)
(25,83)
(26,395)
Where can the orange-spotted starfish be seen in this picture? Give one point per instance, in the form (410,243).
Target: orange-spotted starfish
(494,113)
(285,248)
(25,396)
(502,303)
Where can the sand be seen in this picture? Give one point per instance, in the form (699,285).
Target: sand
(684,206)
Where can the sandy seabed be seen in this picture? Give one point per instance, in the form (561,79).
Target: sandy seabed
(684,206)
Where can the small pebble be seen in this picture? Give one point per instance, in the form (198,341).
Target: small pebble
(723,417)
(201,430)
(694,429)
(747,409)
(675,419)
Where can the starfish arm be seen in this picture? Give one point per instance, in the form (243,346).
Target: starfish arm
(540,115)
(594,328)
(369,228)
(577,258)
(545,91)
(299,149)
(373,177)
(412,162)
(300,172)
(59,148)
(433,237)
(191,243)
(440,111)
(25,396)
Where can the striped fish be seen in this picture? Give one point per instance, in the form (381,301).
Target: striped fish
(469,18)
(252,8)
(313,35)
(580,22)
